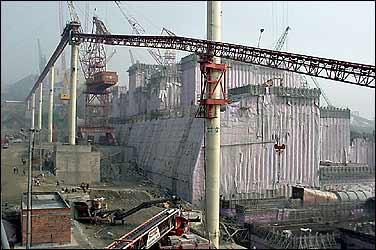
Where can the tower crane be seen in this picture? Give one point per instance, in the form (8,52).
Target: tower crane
(170,55)
(82,53)
(278,47)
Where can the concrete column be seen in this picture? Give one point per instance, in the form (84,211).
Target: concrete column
(73,91)
(40,106)
(212,131)
(51,104)
(33,110)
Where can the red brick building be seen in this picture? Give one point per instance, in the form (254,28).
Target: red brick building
(50,221)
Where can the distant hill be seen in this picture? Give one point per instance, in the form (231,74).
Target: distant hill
(360,125)
(18,90)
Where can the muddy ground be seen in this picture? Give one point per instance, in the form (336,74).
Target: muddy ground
(85,235)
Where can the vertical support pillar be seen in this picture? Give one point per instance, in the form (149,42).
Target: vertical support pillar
(40,106)
(212,132)
(73,91)
(33,111)
(51,104)
(40,114)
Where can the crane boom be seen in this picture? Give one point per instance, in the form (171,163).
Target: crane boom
(322,92)
(281,41)
(138,29)
(131,56)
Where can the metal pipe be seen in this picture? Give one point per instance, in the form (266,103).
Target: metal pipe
(73,91)
(33,110)
(212,131)
(51,104)
(4,238)
(29,183)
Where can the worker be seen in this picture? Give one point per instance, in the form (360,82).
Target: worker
(57,183)
(23,161)
(15,170)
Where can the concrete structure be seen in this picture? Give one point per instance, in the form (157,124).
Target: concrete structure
(151,88)
(33,110)
(40,111)
(73,93)
(76,164)
(50,218)
(334,134)
(51,104)
(249,128)
(239,74)
(362,150)
(213,131)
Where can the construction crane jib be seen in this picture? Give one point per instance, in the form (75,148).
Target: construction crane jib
(281,41)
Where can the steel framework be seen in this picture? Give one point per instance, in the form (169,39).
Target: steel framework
(354,73)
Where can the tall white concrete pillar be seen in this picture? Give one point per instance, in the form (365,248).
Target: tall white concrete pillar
(212,131)
(73,92)
(40,106)
(51,104)
(33,110)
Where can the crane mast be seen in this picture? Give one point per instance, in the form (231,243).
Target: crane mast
(82,54)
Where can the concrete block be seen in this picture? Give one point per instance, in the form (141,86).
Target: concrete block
(77,165)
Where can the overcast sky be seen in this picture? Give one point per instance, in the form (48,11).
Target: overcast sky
(337,30)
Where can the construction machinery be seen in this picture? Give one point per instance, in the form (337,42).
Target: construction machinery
(169,56)
(95,210)
(281,41)
(64,96)
(97,110)
(168,229)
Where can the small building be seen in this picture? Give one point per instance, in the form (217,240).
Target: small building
(50,218)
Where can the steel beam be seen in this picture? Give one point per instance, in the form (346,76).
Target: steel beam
(354,73)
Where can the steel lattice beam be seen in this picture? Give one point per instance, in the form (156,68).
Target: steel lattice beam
(353,73)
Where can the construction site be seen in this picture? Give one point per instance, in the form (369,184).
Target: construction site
(229,147)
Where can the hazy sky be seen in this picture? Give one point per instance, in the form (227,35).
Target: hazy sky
(337,30)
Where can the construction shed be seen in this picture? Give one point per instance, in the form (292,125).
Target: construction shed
(50,218)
